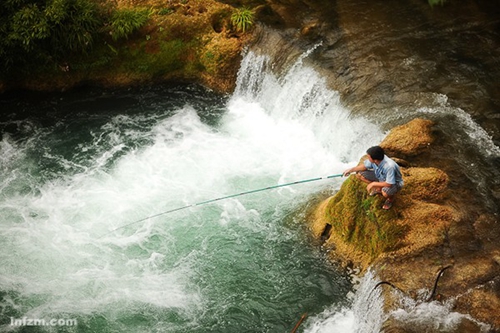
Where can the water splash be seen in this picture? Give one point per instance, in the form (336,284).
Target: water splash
(229,265)
(431,316)
(475,134)
(365,315)
(302,96)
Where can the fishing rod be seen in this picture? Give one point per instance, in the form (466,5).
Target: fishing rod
(223,198)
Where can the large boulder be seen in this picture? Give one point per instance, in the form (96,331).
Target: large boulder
(429,236)
(410,139)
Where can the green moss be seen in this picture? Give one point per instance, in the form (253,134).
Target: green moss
(165,11)
(433,3)
(360,220)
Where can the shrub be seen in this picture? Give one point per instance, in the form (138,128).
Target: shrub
(75,30)
(124,22)
(34,32)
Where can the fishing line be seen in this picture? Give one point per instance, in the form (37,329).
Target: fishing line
(223,198)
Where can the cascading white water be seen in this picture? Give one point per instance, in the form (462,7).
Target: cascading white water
(301,96)
(364,315)
(240,263)
(432,316)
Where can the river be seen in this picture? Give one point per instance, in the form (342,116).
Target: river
(76,166)
(82,171)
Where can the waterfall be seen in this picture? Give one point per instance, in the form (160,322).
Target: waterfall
(99,162)
(365,314)
(301,96)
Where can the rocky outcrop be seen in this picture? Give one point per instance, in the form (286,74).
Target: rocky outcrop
(183,41)
(428,229)
(384,54)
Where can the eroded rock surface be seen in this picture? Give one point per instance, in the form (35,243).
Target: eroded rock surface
(428,229)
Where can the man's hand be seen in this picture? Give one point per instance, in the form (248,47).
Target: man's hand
(347,172)
(355,169)
(377,185)
(373,187)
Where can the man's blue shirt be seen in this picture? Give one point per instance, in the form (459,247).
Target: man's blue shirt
(387,171)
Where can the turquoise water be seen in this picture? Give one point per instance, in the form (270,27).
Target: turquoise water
(78,167)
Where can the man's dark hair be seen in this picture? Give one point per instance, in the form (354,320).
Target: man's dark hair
(376,153)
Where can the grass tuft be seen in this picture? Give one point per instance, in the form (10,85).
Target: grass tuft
(242,19)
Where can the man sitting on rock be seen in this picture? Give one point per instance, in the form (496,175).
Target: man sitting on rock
(381,174)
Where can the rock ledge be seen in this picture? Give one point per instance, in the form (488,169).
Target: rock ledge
(429,232)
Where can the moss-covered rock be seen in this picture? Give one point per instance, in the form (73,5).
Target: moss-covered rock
(219,57)
(360,221)
(428,184)
(428,228)
(183,40)
(410,139)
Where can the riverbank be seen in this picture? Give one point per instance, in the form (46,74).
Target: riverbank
(432,244)
(183,41)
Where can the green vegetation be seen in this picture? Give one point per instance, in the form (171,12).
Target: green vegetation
(165,11)
(242,19)
(359,219)
(58,44)
(168,59)
(124,22)
(40,32)
(436,2)
(42,35)
(52,44)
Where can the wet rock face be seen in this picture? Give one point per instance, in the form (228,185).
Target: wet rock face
(430,240)
(382,54)
(392,61)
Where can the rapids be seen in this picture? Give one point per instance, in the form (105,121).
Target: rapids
(76,166)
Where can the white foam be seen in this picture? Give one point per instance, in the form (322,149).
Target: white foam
(302,95)
(432,316)
(476,134)
(56,229)
(365,315)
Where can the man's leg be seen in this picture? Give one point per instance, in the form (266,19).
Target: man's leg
(389,193)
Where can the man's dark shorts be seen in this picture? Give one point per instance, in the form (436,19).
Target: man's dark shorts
(370,175)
